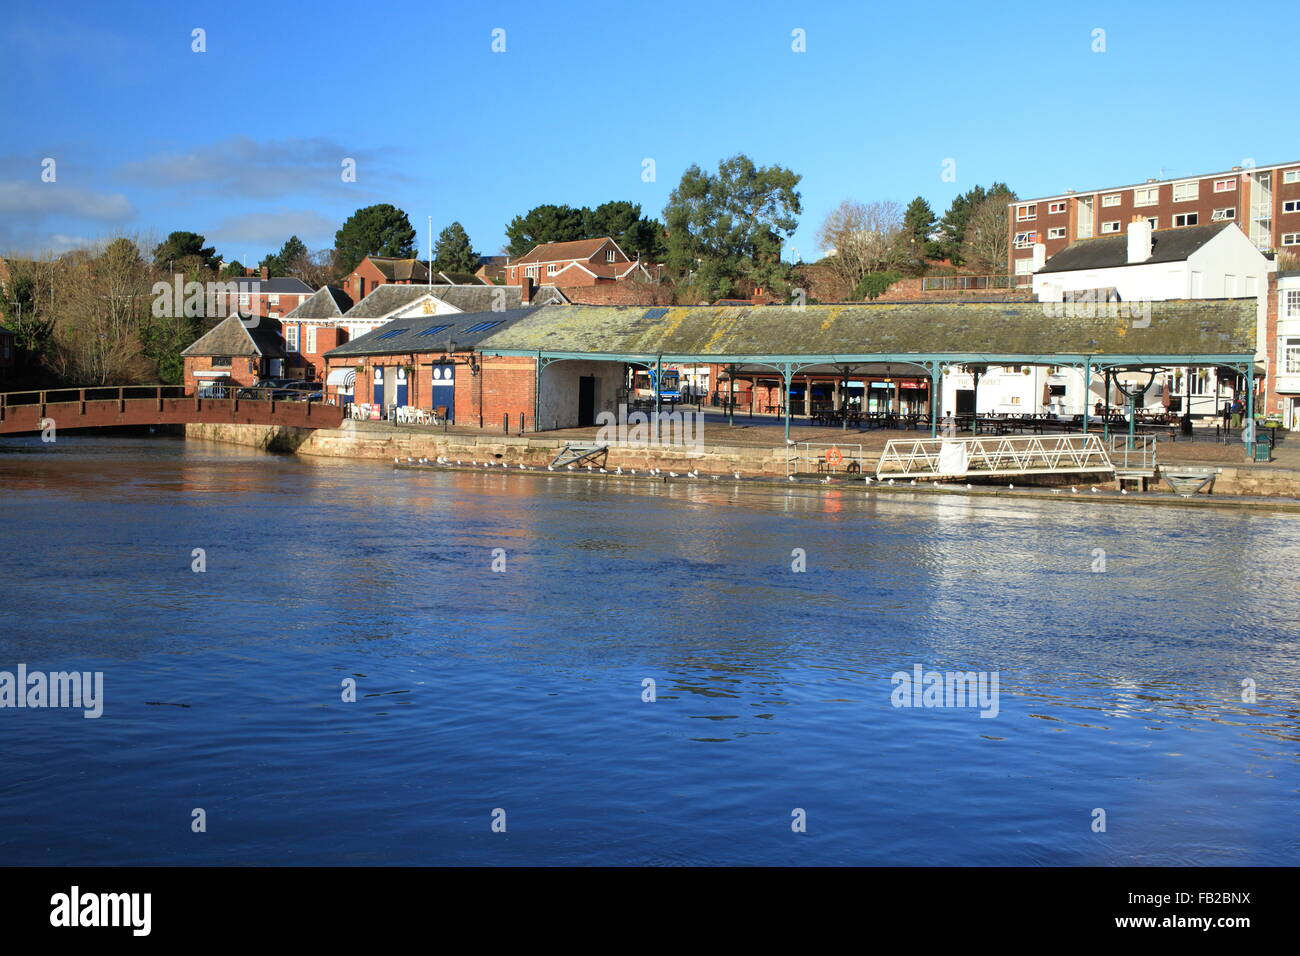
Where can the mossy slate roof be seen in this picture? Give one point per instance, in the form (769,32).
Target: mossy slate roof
(1181,327)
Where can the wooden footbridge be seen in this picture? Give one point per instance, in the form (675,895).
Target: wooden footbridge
(115,406)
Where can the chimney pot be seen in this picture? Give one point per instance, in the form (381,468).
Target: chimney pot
(1139,241)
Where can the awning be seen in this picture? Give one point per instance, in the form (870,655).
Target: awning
(345,378)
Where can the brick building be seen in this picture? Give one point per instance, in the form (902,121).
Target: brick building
(584,262)
(311,330)
(430,361)
(267,296)
(239,350)
(1264,201)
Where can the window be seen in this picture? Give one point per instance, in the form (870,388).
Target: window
(1291,205)
(435,329)
(291,338)
(1291,356)
(394,333)
(609,255)
(550,269)
(1224,185)
(221,361)
(531,272)
(1291,176)
(1153,221)
(1111,200)
(1025,240)
(1185,219)
(273,298)
(1056,232)
(1291,238)
(311,340)
(484,326)
(1220,214)
(243,300)
(1111,226)
(1027,212)
(1186,192)
(1024,267)
(1146,196)
(1056,207)
(1291,303)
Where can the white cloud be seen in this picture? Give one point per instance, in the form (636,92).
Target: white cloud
(38,200)
(240,166)
(271,229)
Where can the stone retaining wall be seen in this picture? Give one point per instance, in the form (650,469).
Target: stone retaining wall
(381,441)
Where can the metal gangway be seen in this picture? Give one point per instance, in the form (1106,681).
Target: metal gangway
(1005,455)
(808,456)
(1134,459)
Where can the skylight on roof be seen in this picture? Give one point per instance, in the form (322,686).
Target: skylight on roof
(392,335)
(435,329)
(484,326)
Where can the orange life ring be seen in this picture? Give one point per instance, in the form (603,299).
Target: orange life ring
(834,456)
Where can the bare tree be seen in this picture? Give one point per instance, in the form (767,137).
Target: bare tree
(104,302)
(861,238)
(984,246)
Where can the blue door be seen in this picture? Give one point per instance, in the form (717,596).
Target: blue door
(379,385)
(444,389)
(401,387)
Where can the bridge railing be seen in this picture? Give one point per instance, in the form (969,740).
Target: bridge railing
(1007,455)
(42,399)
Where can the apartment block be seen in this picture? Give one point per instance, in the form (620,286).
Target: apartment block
(1264,201)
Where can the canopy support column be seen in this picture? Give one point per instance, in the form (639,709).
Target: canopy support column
(1087,392)
(936,376)
(786,376)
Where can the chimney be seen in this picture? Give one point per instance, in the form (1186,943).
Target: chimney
(1040,256)
(1139,240)
(265,276)
(526,290)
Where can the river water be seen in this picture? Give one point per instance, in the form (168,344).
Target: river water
(502,633)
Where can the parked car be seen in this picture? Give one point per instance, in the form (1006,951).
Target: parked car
(304,391)
(267,389)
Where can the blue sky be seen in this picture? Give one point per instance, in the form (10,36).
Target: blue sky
(244,143)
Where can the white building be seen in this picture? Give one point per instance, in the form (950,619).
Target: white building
(1122,272)
(1286,386)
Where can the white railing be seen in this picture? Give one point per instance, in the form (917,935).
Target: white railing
(809,456)
(1137,454)
(973,457)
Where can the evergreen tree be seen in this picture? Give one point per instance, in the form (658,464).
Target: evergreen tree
(453,252)
(380,230)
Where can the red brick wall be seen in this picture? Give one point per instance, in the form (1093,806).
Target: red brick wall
(619,293)
(1270,347)
(506,385)
(243,370)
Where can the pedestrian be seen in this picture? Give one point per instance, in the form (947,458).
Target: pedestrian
(1237,409)
(1186,423)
